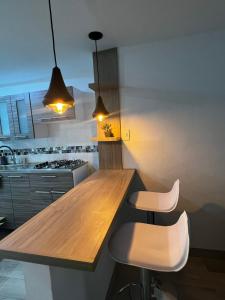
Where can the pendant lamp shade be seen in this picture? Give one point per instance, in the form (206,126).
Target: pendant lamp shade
(57,97)
(100,112)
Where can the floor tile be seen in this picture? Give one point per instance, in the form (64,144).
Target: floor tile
(11,269)
(12,285)
(14,288)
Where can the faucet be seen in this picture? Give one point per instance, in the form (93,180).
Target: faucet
(12,153)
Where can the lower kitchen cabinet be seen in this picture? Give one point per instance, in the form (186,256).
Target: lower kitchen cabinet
(46,188)
(57,193)
(20,192)
(24,195)
(6,207)
(53,181)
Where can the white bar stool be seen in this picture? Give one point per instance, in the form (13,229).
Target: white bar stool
(156,202)
(151,247)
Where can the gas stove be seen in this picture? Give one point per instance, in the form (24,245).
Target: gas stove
(61,164)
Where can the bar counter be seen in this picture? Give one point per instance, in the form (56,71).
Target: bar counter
(70,233)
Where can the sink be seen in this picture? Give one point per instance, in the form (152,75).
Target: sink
(16,166)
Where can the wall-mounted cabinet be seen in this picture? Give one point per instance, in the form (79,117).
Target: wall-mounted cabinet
(24,116)
(6,119)
(42,114)
(15,117)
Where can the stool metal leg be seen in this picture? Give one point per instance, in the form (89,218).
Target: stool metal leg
(150,217)
(129,288)
(130,293)
(145,280)
(153,217)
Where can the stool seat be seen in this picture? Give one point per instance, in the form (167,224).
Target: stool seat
(154,247)
(156,202)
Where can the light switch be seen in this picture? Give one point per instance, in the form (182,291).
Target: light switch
(126,135)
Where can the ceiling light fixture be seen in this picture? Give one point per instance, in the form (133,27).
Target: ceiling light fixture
(57,97)
(100,112)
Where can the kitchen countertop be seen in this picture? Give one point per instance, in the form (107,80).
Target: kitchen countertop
(71,231)
(29,168)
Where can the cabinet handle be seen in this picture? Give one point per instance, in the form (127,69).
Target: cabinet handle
(14,176)
(57,192)
(42,192)
(48,176)
(52,119)
(2,137)
(20,136)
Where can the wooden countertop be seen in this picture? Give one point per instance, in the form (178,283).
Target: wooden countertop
(72,230)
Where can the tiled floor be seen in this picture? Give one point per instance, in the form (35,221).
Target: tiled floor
(12,285)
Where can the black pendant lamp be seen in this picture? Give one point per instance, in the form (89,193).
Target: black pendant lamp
(57,97)
(100,112)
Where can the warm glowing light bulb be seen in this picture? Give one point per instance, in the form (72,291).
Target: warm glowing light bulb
(59,107)
(100,118)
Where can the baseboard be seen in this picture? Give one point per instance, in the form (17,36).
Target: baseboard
(206,253)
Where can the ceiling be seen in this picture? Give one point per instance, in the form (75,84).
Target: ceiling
(26,53)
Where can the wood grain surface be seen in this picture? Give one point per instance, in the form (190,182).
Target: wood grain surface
(110,153)
(71,231)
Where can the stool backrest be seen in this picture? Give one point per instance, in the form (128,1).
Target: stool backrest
(179,242)
(173,196)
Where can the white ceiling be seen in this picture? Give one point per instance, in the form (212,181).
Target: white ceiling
(26,53)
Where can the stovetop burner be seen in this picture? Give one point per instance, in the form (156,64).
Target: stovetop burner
(60,164)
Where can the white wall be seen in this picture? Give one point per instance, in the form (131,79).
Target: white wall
(173,102)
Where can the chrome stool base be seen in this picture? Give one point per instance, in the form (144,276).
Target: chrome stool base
(129,287)
(149,288)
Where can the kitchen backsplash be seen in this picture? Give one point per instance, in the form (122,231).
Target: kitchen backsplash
(52,150)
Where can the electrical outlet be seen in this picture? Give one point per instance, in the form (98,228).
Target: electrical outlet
(126,135)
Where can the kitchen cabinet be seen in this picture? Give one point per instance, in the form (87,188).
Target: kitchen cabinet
(42,114)
(51,181)
(22,116)
(41,190)
(6,119)
(6,207)
(46,188)
(23,195)
(20,191)
(15,117)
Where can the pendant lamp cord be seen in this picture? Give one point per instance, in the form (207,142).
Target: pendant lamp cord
(53,38)
(97,67)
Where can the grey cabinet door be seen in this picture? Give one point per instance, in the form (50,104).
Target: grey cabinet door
(23,195)
(51,181)
(6,208)
(42,114)
(6,119)
(20,191)
(48,187)
(59,192)
(22,116)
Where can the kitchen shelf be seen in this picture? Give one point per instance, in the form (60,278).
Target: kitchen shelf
(94,86)
(109,139)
